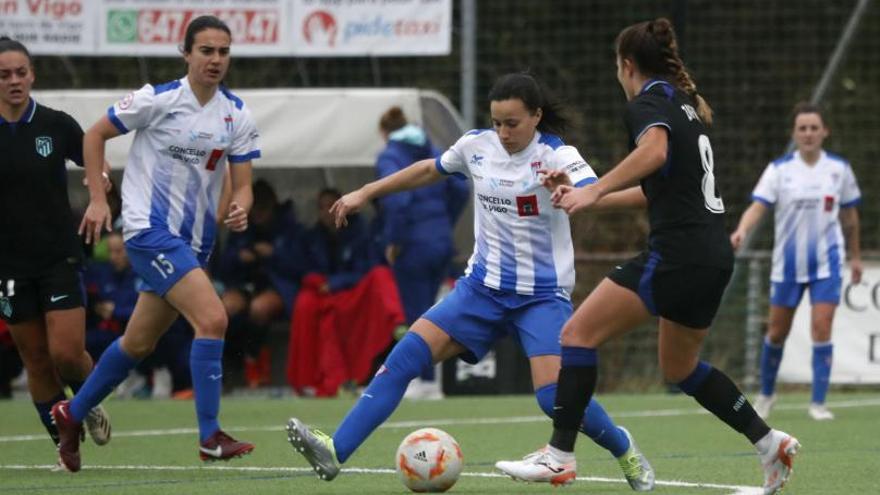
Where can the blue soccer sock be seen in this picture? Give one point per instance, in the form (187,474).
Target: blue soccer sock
(111,370)
(428,374)
(44,409)
(206,368)
(596,423)
(771,357)
(408,359)
(822,356)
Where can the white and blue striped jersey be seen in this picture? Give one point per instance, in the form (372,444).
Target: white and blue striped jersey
(177,160)
(522,244)
(808,243)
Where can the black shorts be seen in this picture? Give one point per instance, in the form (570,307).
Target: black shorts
(27,298)
(685,294)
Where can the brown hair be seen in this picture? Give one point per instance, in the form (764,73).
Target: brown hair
(392,120)
(807,107)
(654,49)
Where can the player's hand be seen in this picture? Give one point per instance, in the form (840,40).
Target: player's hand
(236,220)
(736,239)
(552,178)
(346,205)
(96,217)
(574,199)
(855,268)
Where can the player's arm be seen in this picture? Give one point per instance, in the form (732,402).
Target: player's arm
(631,197)
(97,215)
(649,156)
(242,197)
(747,222)
(420,173)
(849,222)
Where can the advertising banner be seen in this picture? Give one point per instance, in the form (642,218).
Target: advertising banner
(323,28)
(157,27)
(50,27)
(855,335)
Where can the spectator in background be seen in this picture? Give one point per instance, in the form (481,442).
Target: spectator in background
(260,268)
(346,310)
(813,194)
(417,228)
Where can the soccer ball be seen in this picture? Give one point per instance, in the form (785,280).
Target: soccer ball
(429,460)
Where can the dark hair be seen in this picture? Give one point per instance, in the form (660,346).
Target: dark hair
(807,107)
(264,195)
(524,87)
(653,47)
(8,44)
(200,24)
(393,119)
(329,191)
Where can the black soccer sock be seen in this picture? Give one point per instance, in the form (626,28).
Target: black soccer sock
(44,408)
(577,382)
(720,396)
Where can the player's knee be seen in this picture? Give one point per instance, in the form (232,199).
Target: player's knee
(137,349)
(211,324)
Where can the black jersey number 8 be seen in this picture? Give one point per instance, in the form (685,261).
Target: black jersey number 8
(713,203)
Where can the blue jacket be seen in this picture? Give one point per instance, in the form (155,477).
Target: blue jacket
(344,258)
(424,215)
(106,284)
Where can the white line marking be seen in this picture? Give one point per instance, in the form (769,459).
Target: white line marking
(740,489)
(450,421)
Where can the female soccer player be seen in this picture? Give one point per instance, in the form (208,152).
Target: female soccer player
(680,278)
(518,279)
(186,132)
(41,290)
(809,190)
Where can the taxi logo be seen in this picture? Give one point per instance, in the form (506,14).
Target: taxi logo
(44,146)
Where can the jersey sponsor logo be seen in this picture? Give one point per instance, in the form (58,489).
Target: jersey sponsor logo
(494,204)
(44,146)
(195,136)
(527,206)
(188,155)
(829,203)
(575,167)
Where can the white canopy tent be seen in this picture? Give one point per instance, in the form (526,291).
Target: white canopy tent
(333,127)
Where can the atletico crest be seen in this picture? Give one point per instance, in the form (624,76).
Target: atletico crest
(44,146)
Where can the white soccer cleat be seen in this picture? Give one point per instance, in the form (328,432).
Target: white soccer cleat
(764,404)
(540,466)
(636,468)
(778,461)
(819,412)
(97,423)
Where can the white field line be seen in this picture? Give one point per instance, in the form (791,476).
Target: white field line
(450,421)
(739,490)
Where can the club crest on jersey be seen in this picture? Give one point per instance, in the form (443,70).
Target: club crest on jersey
(44,146)
(5,307)
(527,206)
(535,167)
(228,121)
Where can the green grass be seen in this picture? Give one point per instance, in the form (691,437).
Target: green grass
(840,456)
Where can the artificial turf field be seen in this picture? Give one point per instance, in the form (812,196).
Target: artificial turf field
(153,449)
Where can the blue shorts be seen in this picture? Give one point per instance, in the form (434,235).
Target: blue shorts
(788,294)
(161,259)
(476,316)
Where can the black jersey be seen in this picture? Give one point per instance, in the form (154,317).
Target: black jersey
(37,229)
(685,209)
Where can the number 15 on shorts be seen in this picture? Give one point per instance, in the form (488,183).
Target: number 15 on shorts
(162,265)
